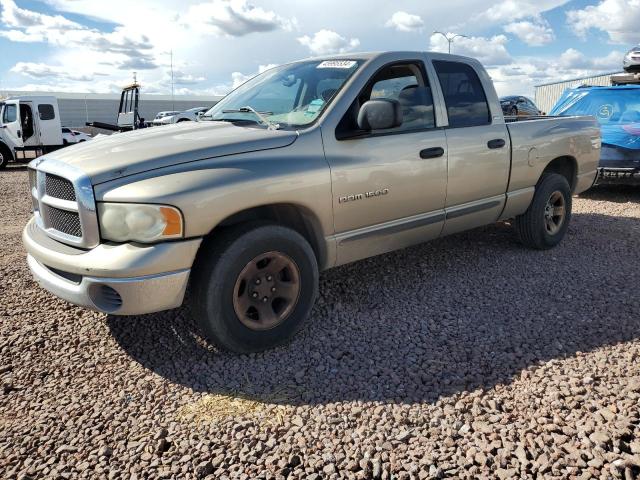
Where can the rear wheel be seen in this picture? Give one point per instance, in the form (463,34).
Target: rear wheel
(545,222)
(254,286)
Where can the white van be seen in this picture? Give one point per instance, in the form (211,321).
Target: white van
(28,124)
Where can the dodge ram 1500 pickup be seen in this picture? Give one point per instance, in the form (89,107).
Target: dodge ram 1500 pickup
(307,166)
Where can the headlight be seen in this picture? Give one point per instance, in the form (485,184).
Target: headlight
(123,222)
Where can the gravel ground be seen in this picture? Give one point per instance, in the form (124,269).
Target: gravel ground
(466,357)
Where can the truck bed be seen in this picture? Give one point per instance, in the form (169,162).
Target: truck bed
(535,141)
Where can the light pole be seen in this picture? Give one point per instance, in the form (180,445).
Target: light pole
(449,37)
(173,101)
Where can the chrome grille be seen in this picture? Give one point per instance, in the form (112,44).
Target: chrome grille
(32,178)
(63,201)
(33,188)
(65,221)
(58,187)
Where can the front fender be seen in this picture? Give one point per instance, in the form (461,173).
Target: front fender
(208,191)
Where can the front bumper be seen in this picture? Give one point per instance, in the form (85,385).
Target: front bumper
(618,176)
(126,279)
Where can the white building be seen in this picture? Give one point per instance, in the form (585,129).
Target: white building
(76,109)
(549,93)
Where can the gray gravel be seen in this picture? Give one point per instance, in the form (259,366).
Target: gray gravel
(467,357)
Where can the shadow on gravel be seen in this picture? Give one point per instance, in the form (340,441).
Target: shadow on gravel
(613,193)
(464,312)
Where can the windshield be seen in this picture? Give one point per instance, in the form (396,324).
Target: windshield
(292,95)
(610,106)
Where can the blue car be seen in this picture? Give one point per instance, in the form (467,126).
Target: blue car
(618,112)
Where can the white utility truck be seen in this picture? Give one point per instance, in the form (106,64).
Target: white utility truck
(28,125)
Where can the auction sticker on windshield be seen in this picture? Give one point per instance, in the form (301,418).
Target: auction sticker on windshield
(337,64)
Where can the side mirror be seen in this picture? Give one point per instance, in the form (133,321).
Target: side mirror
(380,114)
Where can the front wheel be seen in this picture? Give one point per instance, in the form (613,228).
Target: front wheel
(545,222)
(4,157)
(254,286)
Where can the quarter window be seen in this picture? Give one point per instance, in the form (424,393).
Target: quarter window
(463,94)
(10,114)
(46,111)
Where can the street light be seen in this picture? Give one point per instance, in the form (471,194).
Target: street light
(450,37)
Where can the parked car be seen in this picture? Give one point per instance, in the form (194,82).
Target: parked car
(73,136)
(28,124)
(191,115)
(617,109)
(307,166)
(631,62)
(519,106)
(161,115)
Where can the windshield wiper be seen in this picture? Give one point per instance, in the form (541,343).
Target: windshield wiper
(261,115)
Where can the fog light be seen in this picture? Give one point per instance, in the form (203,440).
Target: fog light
(105,297)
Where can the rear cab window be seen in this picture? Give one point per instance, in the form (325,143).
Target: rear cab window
(46,111)
(464,95)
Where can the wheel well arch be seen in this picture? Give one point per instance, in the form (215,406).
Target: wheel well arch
(4,148)
(294,216)
(566,166)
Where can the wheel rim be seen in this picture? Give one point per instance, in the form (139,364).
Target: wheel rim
(555,212)
(266,291)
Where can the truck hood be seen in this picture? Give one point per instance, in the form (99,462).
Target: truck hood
(119,155)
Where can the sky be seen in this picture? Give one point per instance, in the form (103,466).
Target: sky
(95,46)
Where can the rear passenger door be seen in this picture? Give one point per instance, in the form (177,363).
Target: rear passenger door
(478,147)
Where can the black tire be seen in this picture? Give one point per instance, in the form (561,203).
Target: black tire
(532,227)
(5,157)
(183,120)
(219,265)
(65,142)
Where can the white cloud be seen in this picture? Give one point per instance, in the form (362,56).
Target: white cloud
(327,42)
(618,18)
(572,58)
(234,18)
(405,22)
(520,76)
(41,70)
(29,26)
(490,51)
(535,34)
(511,10)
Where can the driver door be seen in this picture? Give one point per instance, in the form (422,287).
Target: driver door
(389,186)
(11,126)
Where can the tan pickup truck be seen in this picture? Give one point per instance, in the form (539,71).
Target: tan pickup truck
(307,166)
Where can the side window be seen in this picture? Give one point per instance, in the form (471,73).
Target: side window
(463,94)
(46,111)
(10,114)
(407,84)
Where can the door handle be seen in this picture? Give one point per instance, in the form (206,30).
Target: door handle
(497,143)
(432,152)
